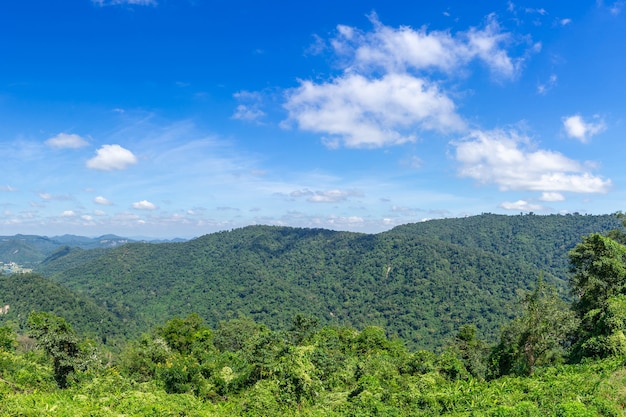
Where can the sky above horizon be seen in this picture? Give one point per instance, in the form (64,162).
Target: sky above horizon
(178,118)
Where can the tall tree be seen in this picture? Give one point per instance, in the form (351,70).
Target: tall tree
(598,265)
(539,336)
(57,338)
(598,281)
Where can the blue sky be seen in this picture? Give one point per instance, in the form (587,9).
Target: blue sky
(177,118)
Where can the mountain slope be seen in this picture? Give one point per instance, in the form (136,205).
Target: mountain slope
(421,281)
(23,293)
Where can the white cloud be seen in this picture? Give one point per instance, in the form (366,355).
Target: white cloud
(7,188)
(68,213)
(510,161)
(144,205)
(248,113)
(327,196)
(371,113)
(521,205)
(384,95)
(551,196)
(102,201)
(565,22)
(577,128)
(49,197)
(404,49)
(112,157)
(64,140)
(548,85)
(250,107)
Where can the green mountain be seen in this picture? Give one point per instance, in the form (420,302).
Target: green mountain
(30,250)
(420,281)
(22,293)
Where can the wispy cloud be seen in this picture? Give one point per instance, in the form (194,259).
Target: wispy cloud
(250,108)
(325,196)
(103,3)
(65,140)
(511,161)
(50,197)
(543,88)
(112,157)
(406,49)
(521,205)
(576,128)
(551,196)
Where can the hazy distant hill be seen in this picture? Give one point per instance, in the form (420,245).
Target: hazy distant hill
(421,281)
(28,250)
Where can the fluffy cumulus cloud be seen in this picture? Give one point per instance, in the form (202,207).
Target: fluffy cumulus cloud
(511,161)
(576,128)
(65,140)
(386,92)
(362,112)
(144,205)
(112,157)
(102,201)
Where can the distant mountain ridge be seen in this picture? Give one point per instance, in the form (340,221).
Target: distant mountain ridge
(420,281)
(31,249)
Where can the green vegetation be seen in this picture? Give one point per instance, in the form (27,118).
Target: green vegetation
(420,282)
(23,293)
(177,369)
(554,358)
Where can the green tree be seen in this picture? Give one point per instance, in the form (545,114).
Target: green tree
(598,265)
(57,338)
(232,335)
(606,337)
(180,334)
(540,336)
(140,358)
(8,339)
(472,351)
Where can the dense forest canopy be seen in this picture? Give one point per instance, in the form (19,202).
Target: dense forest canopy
(550,356)
(421,281)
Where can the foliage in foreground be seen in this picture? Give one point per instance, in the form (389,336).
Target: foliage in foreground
(330,372)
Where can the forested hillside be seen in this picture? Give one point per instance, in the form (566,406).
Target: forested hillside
(23,293)
(421,282)
(554,358)
(542,241)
